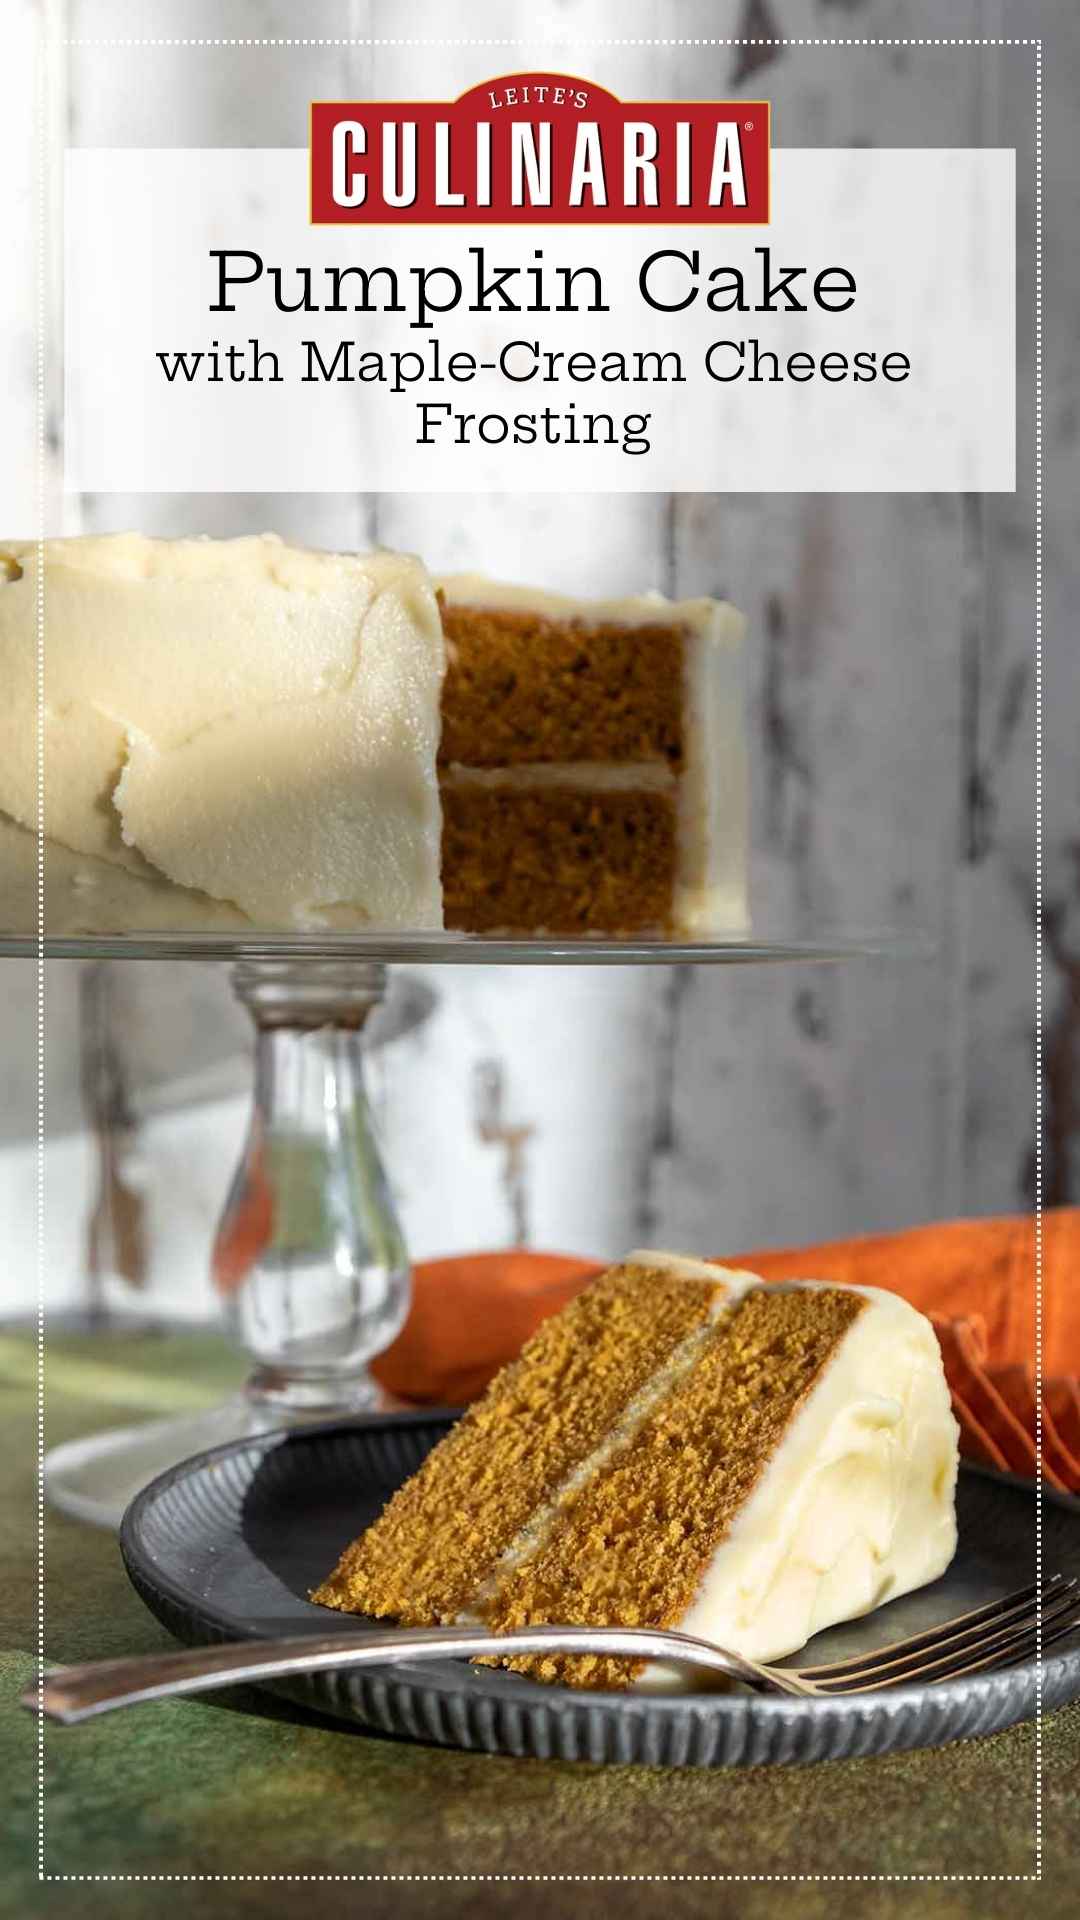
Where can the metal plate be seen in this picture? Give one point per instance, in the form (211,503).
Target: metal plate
(228,1545)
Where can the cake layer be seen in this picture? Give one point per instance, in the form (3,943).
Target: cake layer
(556,858)
(251,721)
(444,1531)
(524,686)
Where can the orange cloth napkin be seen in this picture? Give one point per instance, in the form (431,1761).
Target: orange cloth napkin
(975,1279)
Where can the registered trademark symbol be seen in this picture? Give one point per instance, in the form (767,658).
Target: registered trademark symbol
(748,126)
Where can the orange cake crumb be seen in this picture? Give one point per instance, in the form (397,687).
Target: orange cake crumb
(629,1547)
(562,860)
(443,1532)
(523,688)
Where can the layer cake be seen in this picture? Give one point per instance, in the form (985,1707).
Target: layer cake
(241,733)
(684,1446)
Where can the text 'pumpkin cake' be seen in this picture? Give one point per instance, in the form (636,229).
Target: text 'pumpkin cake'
(681,1446)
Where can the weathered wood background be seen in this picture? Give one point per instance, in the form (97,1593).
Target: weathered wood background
(892,712)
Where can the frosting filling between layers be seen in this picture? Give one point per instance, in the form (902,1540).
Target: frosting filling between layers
(586,776)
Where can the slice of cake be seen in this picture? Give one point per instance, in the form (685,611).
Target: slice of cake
(682,1446)
(592,763)
(252,723)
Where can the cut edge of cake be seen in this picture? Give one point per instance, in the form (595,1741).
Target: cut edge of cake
(694,768)
(544,1413)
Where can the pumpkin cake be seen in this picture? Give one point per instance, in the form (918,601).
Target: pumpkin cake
(592,764)
(244,733)
(681,1445)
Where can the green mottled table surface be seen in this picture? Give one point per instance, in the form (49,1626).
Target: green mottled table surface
(239,1785)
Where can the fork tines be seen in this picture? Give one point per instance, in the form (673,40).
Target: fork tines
(992,1635)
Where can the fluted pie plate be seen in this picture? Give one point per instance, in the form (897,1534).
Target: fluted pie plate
(227,1546)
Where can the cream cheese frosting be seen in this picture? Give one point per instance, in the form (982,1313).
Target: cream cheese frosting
(85,896)
(253,723)
(857,1504)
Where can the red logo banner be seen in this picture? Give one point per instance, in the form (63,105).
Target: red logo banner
(540,149)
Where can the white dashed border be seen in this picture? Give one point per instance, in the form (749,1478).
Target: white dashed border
(1038,480)
(559,46)
(40,513)
(539,1878)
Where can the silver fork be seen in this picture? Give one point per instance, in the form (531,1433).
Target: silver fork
(990,1636)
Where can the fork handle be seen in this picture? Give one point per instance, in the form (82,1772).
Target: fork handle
(71,1694)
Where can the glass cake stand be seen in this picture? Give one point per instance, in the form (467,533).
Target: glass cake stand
(309,1260)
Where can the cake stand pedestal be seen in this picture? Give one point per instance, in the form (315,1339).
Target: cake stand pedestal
(309,1259)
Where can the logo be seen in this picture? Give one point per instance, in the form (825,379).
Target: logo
(543,149)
